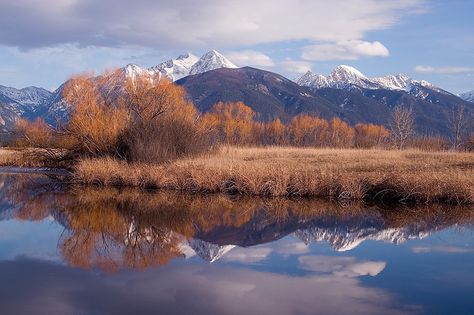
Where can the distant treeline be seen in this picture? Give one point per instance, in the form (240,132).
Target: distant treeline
(145,120)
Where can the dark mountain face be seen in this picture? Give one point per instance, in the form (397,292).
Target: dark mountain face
(272,96)
(432,108)
(375,106)
(269,94)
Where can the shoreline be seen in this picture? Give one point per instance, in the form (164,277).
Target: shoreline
(335,174)
(411,177)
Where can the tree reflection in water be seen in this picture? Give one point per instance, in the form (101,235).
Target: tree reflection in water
(112,229)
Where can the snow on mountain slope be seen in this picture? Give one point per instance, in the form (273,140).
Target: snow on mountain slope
(346,77)
(211,61)
(340,78)
(394,82)
(17,103)
(175,69)
(468,96)
(313,80)
(133,71)
(184,65)
(208,251)
(30,97)
(344,239)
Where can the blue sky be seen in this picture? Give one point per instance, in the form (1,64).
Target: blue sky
(44,43)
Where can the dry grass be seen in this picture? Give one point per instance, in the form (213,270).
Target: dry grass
(32,157)
(8,157)
(403,176)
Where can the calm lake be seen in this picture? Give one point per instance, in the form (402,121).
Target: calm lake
(83,250)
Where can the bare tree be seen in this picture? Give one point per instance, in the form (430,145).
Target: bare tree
(457,123)
(401,125)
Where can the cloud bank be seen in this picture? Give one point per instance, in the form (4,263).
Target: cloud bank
(345,50)
(186,24)
(444,70)
(250,58)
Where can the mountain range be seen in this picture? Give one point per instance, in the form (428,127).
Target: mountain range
(345,92)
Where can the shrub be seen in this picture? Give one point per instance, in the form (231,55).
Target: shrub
(370,135)
(470,143)
(34,134)
(164,125)
(429,143)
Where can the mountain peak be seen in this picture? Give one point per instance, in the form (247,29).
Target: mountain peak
(187,56)
(210,61)
(313,80)
(175,69)
(344,71)
(132,71)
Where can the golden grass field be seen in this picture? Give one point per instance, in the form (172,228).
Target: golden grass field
(403,176)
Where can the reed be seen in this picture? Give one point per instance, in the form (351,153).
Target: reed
(402,176)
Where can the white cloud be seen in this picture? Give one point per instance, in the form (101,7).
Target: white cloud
(345,50)
(342,266)
(183,24)
(294,66)
(250,58)
(248,255)
(444,70)
(191,289)
(442,249)
(292,248)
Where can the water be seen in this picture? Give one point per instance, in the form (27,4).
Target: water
(67,250)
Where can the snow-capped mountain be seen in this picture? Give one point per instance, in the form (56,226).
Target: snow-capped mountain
(347,77)
(184,65)
(133,71)
(394,82)
(208,251)
(175,69)
(211,61)
(468,96)
(340,78)
(344,239)
(31,97)
(15,103)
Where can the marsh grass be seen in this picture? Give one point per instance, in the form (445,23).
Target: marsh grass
(34,157)
(401,176)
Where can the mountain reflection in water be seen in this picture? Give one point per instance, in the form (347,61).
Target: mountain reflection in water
(113,229)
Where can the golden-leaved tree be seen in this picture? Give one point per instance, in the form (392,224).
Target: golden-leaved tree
(232,122)
(341,135)
(97,120)
(305,130)
(370,135)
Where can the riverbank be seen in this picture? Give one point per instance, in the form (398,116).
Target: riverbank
(341,174)
(25,157)
(381,175)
